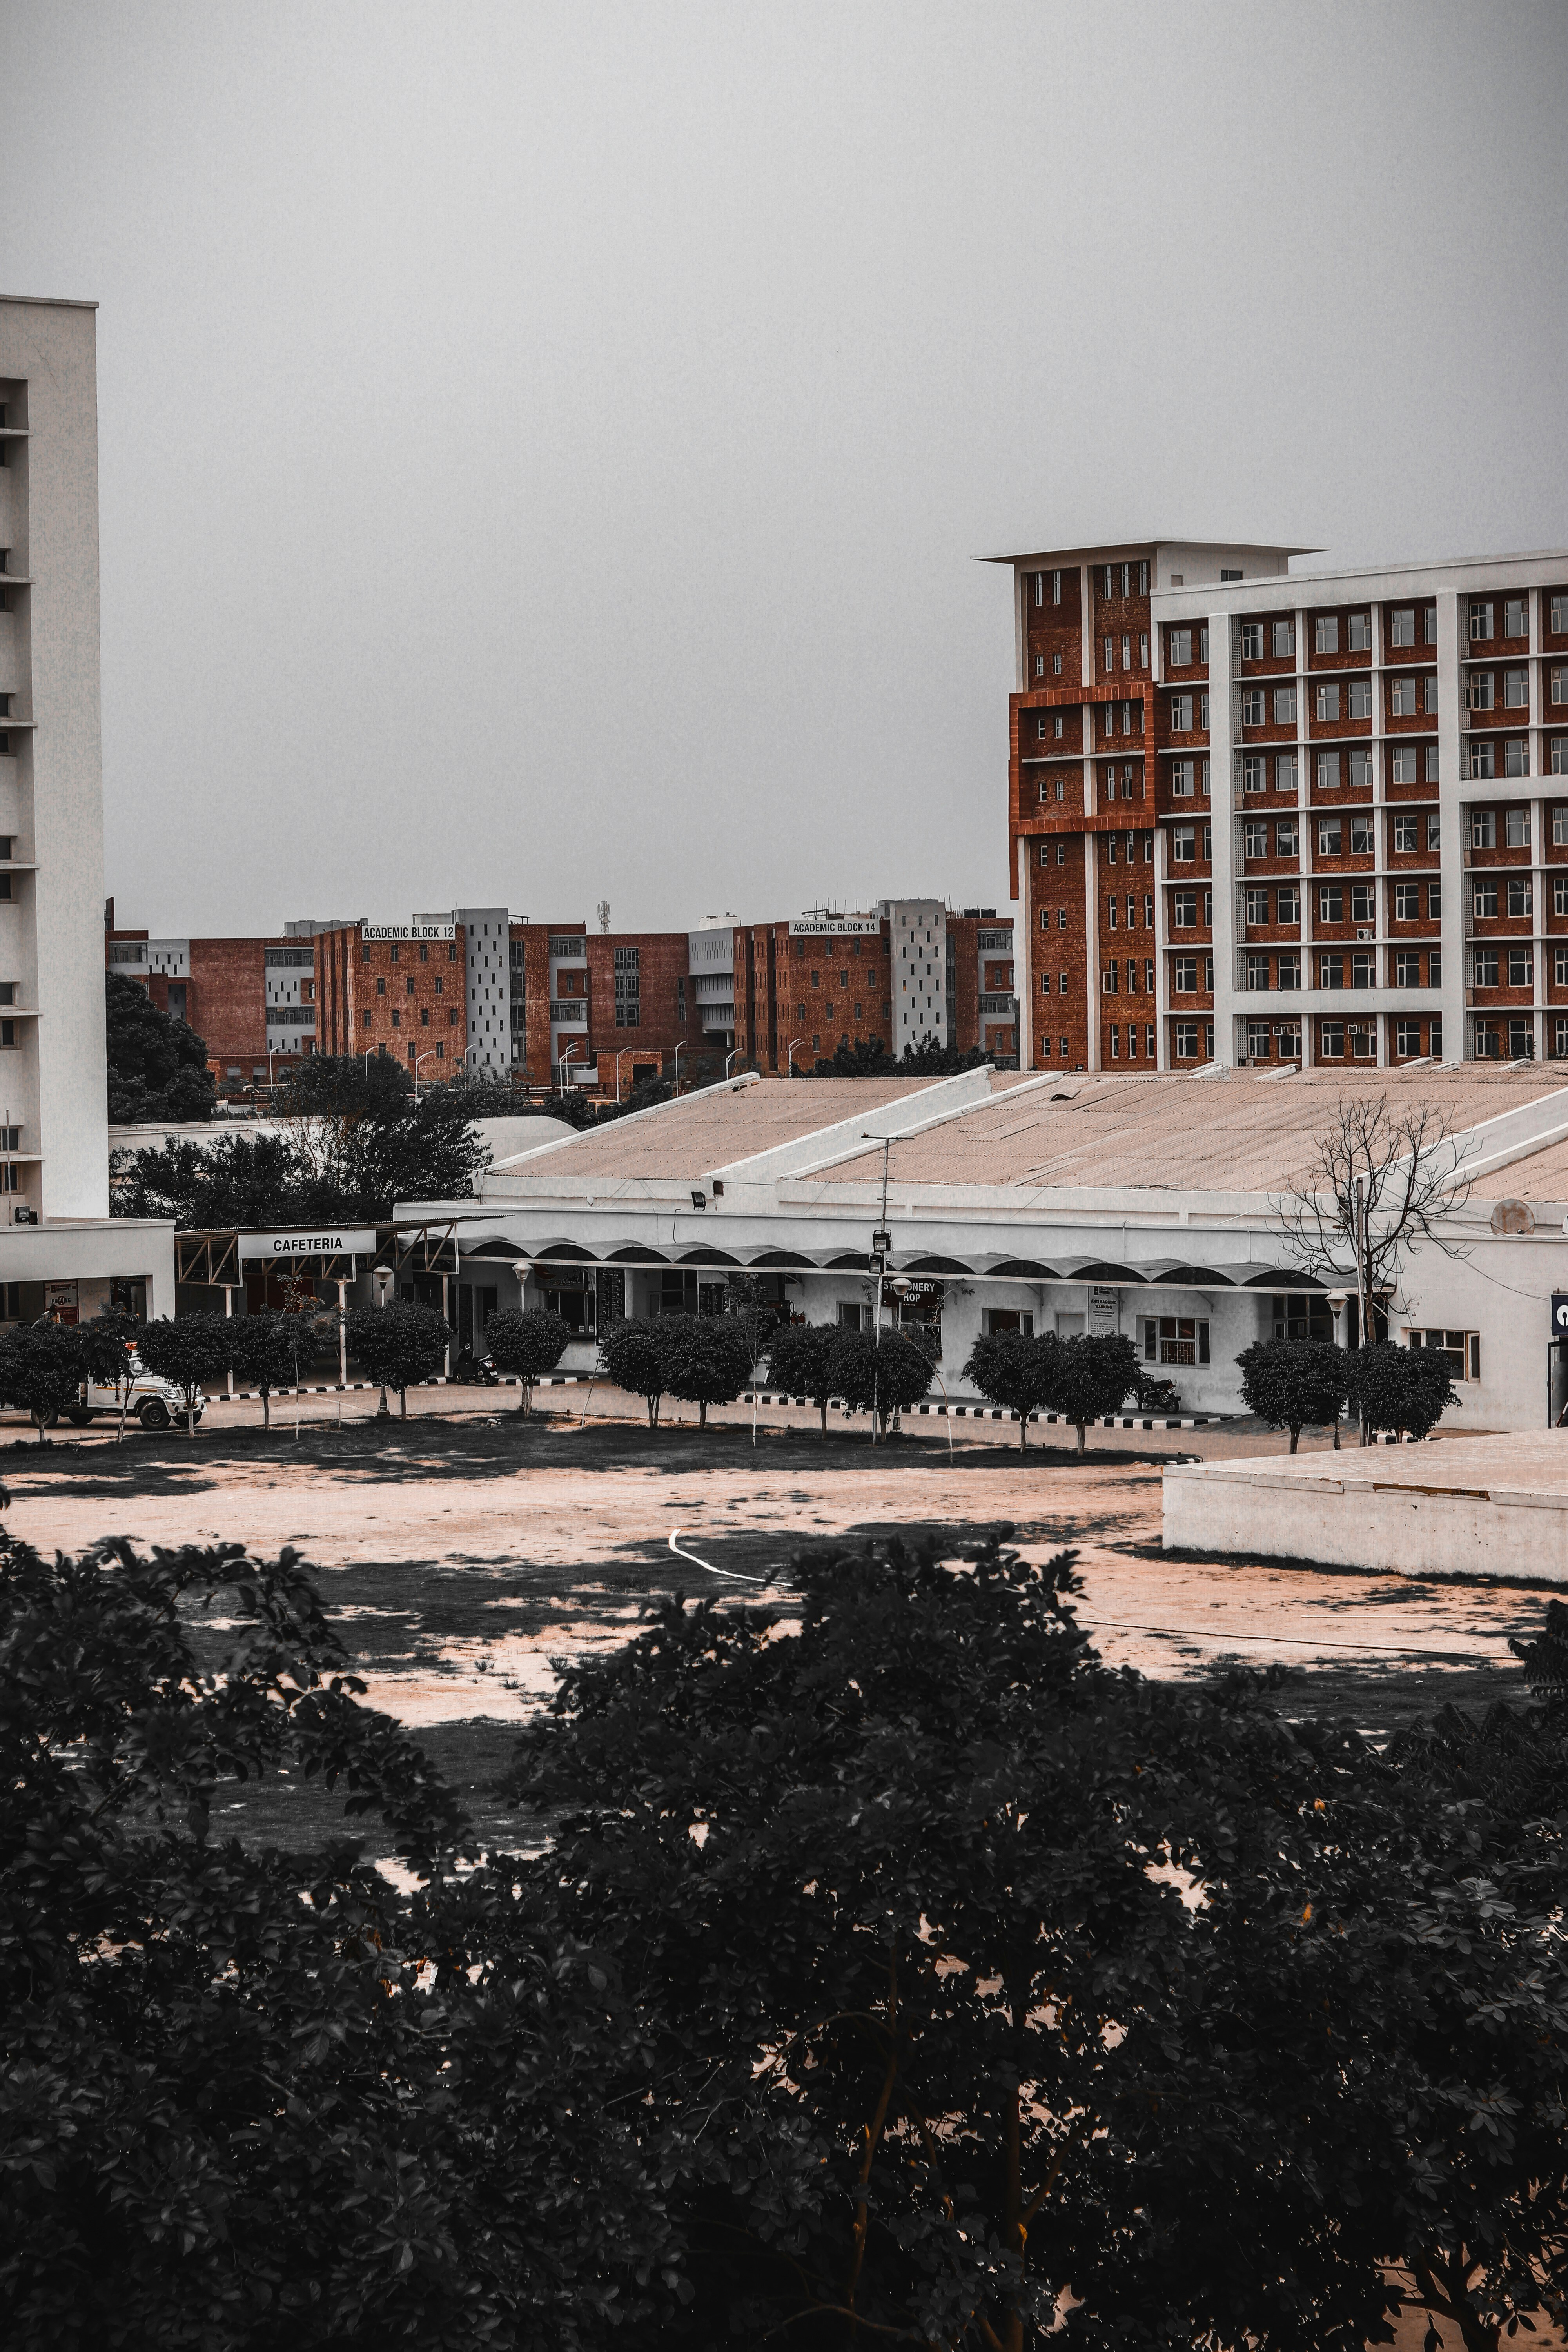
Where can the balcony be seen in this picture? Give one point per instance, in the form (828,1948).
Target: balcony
(998,1003)
(568,1012)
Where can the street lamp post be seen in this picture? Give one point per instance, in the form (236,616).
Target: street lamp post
(731,1055)
(679,1051)
(429,1054)
(619,1059)
(792,1044)
(561,1071)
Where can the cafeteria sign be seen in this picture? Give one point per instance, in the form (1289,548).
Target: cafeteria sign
(282,1249)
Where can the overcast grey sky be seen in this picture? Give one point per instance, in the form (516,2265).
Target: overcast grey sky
(543,449)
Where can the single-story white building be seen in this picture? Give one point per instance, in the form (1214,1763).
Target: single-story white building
(1146,1204)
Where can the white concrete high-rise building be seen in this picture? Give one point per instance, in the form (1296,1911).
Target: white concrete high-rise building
(58,1246)
(916,953)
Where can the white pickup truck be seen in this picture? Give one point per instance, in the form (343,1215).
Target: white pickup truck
(154,1402)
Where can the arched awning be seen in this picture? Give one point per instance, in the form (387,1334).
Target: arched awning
(783,1258)
(636,1253)
(1019,1269)
(1179,1273)
(1094,1269)
(564,1254)
(707,1258)
(948,1265)
(849,1262)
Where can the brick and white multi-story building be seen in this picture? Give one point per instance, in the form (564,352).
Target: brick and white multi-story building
(1273,816)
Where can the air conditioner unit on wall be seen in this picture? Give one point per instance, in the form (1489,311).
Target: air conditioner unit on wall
(23,1215)
(1366,935)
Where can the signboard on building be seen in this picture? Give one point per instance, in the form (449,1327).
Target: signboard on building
(399,931)
(1560,1314)
(836,926)
(1104,1310)
(60,1299)
(282,1249)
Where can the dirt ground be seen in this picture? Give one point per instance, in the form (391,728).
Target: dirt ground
(463,1553)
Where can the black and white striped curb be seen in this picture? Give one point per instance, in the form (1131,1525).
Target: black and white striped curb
(997,1412)
(353,1388)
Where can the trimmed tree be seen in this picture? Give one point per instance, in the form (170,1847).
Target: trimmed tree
(1088,1377)
(264,1352)
(527,1345)
(799,1354)
(707,1359)
(42,1368)
(880,1379)
(111,1339)
(1400,1388)
(1008,1369)
(630,1355)
(399,1344)
(1295,1383)
(191,1354)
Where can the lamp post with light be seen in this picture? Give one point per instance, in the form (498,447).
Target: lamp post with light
(792,1044)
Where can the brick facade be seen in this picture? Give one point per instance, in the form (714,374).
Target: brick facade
(399,997)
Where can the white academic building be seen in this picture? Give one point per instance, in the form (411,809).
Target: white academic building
(1049,1202)
(58,1247)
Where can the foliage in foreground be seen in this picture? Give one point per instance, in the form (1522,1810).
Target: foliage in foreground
(157,1065)
(893,1973)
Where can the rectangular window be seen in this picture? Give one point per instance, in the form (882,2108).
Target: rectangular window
(1331,1041)
(1407,969)
(1518,898)
(1516,828)
(1287,837)
(1252,641)
(1361,902)
(1255,971)
(1328,771)
(1515,756)
(1284,706)
(1461,1350)
(1187,981)
(1252,709)
(1290,969)
(1481,623)
(1516,689)
(1330,841)
(1483,829)
(1328,704)
(1326,634)
(1175,1339)
(1483,761)
(1362,973)
(1255,838)
(1330,904)
(1402,768)
(1485,901)
(1360,698)
(1520,968)
(1183,911)
(1284,639)
(1186,1041)
(1359,639)
(1256,906)
(1402,625)
(1407,836)
(1360,836)
(1434,901)
(1181,714)
(1479,694)
(1402,699)
(1516,617)
(1361,771)
(1408,902)
(1433,833)
(1254,772)
(1330,972)
(1429,695)
(1180,643)
(1289,903)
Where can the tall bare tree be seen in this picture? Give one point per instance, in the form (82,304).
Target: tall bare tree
(1380,1179)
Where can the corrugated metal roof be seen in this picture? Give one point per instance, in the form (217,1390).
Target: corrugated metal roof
(1232,1134)
(681,1141)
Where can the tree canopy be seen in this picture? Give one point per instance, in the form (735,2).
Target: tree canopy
(398,1344)
(707,1359)
(1009,1369)
(345,1167)
(1398,1388)
(527,1345)
(1292,1383)
(157,1065)
(881,1969)
(800,1357)
(192,1352)
(879,1375)
(1088,1377)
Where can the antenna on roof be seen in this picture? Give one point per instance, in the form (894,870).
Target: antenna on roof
(603,914)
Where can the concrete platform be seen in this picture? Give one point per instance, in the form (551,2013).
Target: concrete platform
(1482,1507)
